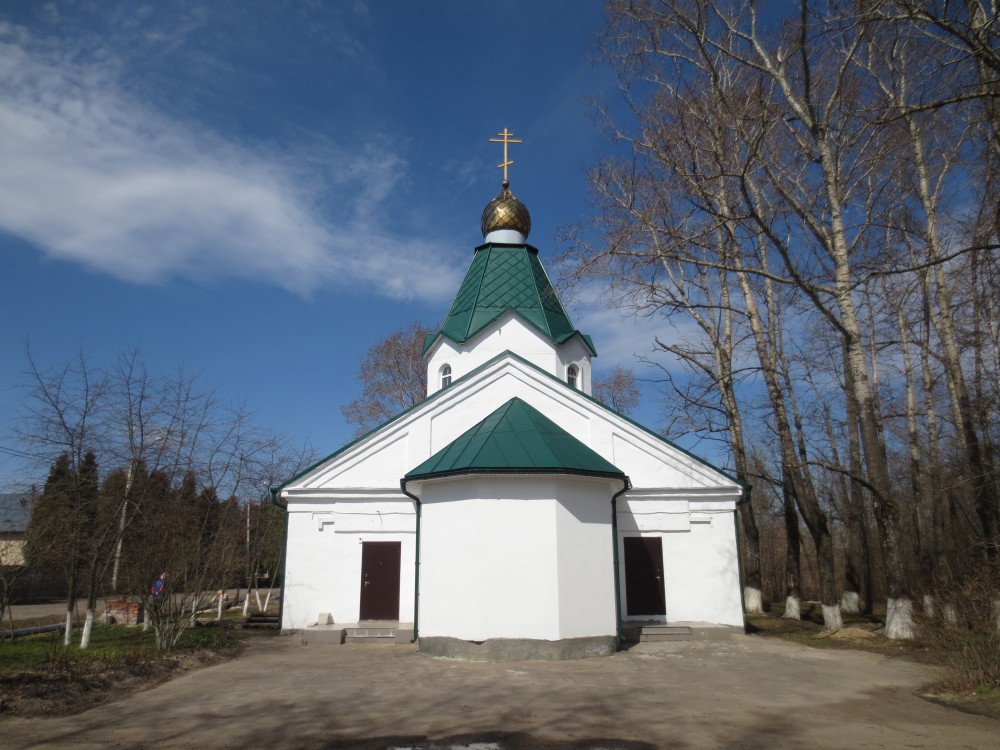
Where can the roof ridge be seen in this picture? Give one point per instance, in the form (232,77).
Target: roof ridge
(532,443)
(539,294)
(504,408)
(479,289)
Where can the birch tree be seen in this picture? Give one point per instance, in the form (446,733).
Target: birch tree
(791,134)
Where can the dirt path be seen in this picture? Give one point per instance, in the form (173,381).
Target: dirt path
(745,693)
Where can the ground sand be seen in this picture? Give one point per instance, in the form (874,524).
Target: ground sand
(749,692)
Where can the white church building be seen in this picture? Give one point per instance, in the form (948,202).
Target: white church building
(509,514)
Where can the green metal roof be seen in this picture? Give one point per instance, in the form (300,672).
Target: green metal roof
(506,277)
(515,439)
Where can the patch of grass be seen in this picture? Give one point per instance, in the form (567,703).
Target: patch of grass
(110,648)
(46,652)
(860,632)
(813,612)
(39,676)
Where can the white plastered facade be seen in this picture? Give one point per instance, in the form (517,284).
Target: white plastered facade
(524,557)
(510,530)
(511,333)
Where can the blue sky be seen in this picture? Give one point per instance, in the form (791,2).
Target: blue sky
(258,192)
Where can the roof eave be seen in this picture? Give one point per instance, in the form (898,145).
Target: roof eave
(556,340)
(521,471)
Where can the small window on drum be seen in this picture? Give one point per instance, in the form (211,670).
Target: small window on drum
(446,376)
(573,376)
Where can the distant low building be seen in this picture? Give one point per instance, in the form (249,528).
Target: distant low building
(14,516)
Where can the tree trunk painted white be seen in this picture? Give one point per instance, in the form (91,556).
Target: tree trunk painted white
(256,593)
(899,618)
(833,234)
(88,627)
(218,614)
(194,610)
(753,600)
(246,603)
(831,617)
(792,611)
(850,603)
(267,599)
(145,620)
(68,632)
(928,604)
(950,614)
(800,484)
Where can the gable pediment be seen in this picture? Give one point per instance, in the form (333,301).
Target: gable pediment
(379,460)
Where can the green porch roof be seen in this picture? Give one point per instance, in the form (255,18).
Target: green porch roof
(506,277)
(515,439)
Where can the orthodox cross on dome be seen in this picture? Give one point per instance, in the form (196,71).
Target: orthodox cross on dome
(505,138)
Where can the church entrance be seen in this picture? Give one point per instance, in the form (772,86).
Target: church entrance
(380,580)
(644,576)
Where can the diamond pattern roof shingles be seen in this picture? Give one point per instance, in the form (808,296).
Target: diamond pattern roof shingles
(502,278)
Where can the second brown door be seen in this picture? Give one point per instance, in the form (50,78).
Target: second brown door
(380,580)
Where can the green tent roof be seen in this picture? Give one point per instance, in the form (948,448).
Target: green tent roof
(515,439)
(501,278)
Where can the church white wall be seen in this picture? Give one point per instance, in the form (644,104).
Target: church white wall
(488,563)
(703,582)
(585,558)
(574,352)
(323,571)
(700,565)
(508,333)
(511,557)
(323,558)
(450,422)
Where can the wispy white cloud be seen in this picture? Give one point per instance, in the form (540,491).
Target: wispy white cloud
(629,339)
(93,175)
(621,339)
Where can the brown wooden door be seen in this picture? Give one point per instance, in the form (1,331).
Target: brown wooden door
(644,576)
(380,580)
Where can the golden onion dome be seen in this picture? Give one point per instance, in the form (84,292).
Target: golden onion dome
(506,212)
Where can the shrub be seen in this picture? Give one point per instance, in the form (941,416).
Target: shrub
(962,624)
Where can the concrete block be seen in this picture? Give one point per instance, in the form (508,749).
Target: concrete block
(518,649)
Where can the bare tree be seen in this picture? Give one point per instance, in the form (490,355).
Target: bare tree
(649,280)
(393,377)
(781,132)
(264,538)
(618,390)
(64,419)
(170,451)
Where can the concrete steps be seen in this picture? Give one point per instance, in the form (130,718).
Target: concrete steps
(659,632)
(386,633)
(389,633)
(262,621)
